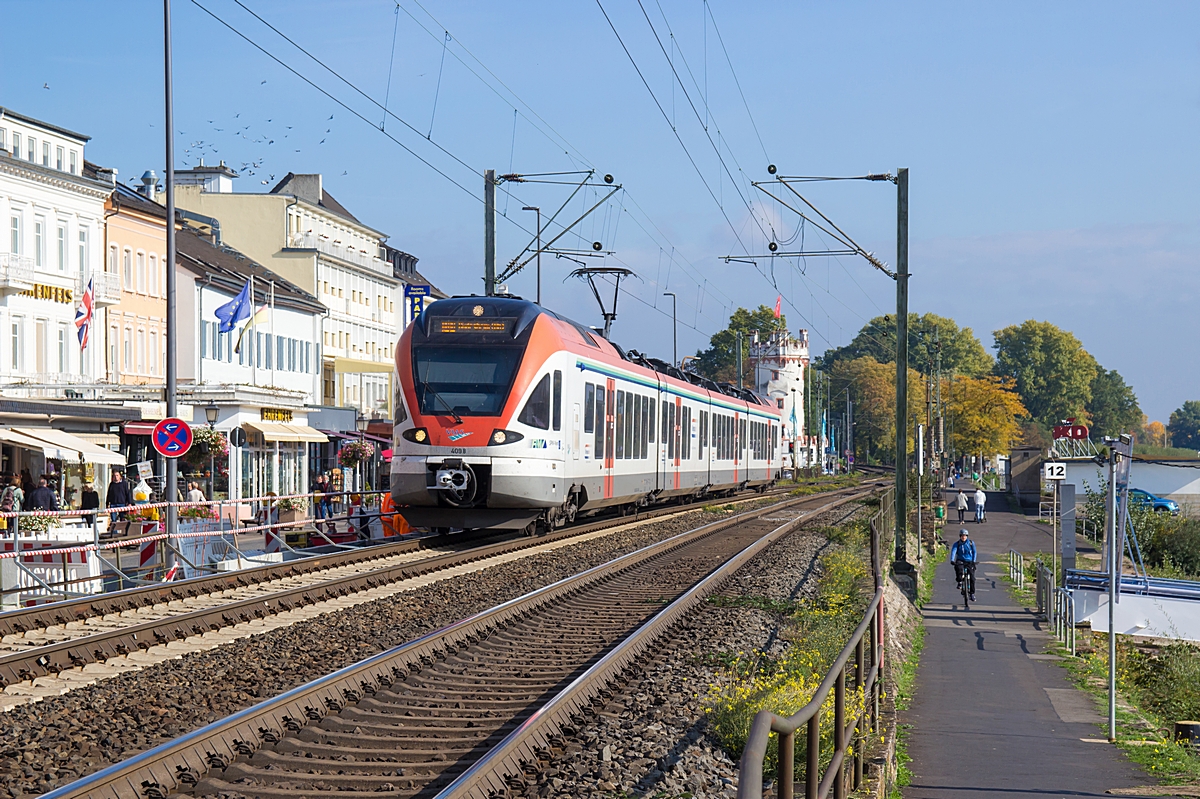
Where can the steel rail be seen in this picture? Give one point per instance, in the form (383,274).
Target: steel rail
(491,774)
(98,646)
(182,763)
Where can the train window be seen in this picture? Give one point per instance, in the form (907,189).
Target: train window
(673,439)
(635,434)
(645,428)
(556,406)
(632,424)
(589,407)
(650,406)
(621,425)
(469,381)
(703,433)
(600,422)
(537,408)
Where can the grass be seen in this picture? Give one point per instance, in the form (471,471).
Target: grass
(815,630)
(831,482)
(1154,689)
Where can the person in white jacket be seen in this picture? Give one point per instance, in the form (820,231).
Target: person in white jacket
(980,502)
(960,504)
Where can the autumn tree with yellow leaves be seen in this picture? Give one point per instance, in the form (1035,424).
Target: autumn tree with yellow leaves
(983,414)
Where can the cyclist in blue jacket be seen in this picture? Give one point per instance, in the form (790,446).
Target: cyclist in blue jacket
(963,556)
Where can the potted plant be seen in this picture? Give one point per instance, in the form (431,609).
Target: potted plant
(207,444)
(34,525)
(355,452)
(291,509)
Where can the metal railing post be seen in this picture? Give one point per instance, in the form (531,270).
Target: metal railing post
(860,678)
(839,734)
(785,776)
(812,770)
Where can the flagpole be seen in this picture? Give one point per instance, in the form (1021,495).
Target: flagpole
(253,349)
(271,318)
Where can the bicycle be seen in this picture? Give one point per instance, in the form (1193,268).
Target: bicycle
(967,583)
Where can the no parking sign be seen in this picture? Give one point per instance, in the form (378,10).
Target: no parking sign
(172,437)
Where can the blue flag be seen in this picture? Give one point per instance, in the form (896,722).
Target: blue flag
(235,310)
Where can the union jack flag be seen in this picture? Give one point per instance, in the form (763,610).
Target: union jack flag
(83,315)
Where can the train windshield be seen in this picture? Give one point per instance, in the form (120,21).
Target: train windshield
(467,381)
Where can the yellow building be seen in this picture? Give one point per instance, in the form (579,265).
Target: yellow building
(135,247)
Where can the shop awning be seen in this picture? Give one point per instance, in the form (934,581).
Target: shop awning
(17,439)
(139,428)
(102,440)
(277,431)
(72,447)
(353,366)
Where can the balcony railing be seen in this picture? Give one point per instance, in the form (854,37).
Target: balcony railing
(17,273)
(106,285)
(311,241)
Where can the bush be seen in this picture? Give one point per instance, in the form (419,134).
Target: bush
(1167,682)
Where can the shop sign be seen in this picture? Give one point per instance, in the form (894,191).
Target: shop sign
(144,469)
(276,415)
(41,291)
(416,299)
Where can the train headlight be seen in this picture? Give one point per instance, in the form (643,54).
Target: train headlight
(503,437)
(417,435)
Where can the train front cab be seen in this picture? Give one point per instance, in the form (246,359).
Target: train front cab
(479,431)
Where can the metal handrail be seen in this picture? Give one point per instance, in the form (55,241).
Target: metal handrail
(1016,568)
(750,782)
(1064,618)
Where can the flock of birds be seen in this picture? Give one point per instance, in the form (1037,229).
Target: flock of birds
(263,136)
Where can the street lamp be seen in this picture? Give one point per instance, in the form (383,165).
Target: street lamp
(539,249)
(362,422)
(211,412)
(674,329)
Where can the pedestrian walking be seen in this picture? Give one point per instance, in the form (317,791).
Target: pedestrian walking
(980,502)
(12,499)
(194,493)
(119,494)
(89,499)
(960,504)
(43,497)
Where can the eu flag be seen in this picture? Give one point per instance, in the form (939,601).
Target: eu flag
(235,310)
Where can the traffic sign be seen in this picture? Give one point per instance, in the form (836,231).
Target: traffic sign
(172,437)
(1054,471)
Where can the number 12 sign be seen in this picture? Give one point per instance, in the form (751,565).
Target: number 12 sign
(1054,471)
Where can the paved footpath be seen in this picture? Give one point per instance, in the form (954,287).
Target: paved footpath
(993,716)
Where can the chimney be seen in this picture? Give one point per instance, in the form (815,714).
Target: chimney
(149,181)
(107,174)
(306,187)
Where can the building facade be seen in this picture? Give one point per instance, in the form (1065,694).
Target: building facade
(52,215)
(300,232)
(133,332)
(779,362)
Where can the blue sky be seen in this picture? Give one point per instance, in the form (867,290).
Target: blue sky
(1051,146)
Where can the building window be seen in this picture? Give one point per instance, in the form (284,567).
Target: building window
(204,338)
(14,245)
(141,352)
(45,153)
(128,269)
(31,150)
(3,139)
(18,343)
(16,150)
(74,162)
(83,250)
(153,275)
(270,361)
(141,272)
(153,353)
(58,153)
(128,359)
(62,349)
(39,345)
(39,242)
(62,248)
(112,259)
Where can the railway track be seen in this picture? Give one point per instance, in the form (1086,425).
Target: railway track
(466,710)
(50,639)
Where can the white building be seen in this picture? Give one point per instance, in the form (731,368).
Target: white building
(303,234)
(779,363)
(52,216)
(262,381)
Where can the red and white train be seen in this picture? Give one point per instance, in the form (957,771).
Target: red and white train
(511,416)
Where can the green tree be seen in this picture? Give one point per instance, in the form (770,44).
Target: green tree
(1114,407)
(1052,371)
(719,361)
(1184,426)
(962,352)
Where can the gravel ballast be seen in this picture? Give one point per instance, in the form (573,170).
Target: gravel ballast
(650,739)
(54,741)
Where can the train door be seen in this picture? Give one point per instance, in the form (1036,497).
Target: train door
(737,445)
(610,421)
(658,429)
(676,437)
(575,422)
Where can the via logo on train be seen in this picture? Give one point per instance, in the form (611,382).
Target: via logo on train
(509,415)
